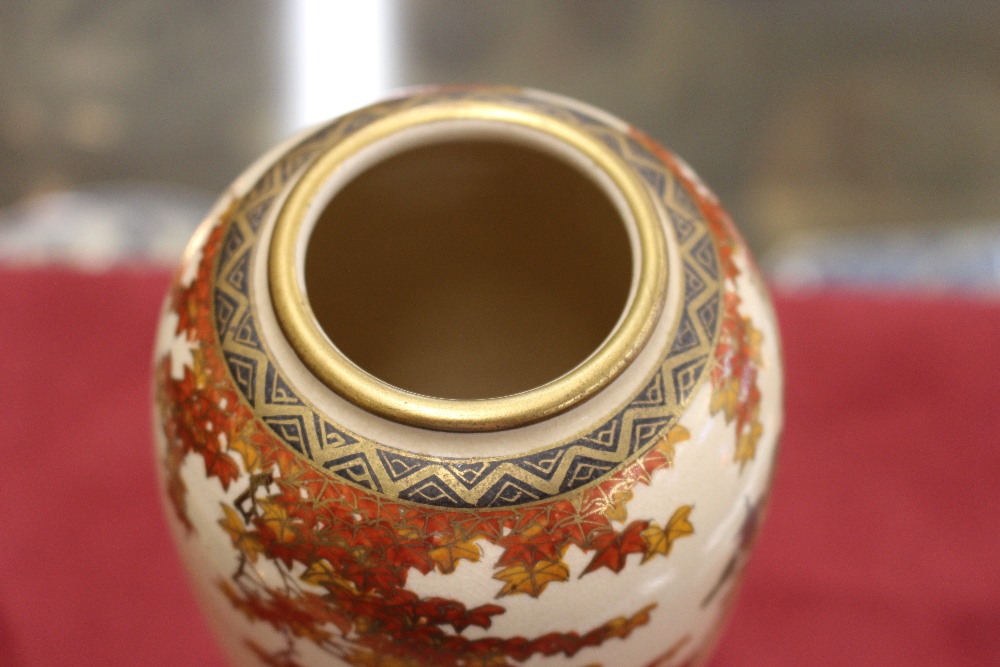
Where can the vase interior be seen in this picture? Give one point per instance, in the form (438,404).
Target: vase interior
(469,268)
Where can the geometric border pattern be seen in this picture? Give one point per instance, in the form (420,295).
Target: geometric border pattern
(473,482)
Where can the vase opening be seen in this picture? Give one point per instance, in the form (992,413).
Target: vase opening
(469,268)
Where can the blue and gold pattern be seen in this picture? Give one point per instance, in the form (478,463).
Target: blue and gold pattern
(472,482)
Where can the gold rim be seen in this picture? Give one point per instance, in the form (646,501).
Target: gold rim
(335,370)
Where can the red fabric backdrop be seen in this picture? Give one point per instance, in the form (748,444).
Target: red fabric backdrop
(882,545)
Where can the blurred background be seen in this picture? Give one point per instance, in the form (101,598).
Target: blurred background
(855,143)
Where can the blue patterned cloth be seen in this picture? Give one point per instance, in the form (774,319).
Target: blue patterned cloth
(150,224)
(947,257)
(102,226)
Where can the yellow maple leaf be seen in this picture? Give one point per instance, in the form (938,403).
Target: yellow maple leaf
(674,436)
(367,658)
(746,444)
(617,510)
(321,573)
(447,556)
(622,627)
(678,525)
(408,532)
(490,660)
(249,453)
(531,580)
(677,434)
(661,540)
(656,541)
(243,540)
(726,398)
(754,340)
(276,518)
(199,369)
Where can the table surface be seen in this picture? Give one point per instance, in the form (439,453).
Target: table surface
(881,547)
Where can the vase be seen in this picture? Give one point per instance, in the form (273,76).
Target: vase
(470,377)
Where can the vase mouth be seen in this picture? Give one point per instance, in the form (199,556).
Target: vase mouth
(433,124)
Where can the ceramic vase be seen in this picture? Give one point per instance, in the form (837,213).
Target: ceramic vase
(470,377)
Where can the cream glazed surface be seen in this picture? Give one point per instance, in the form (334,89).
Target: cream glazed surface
(613,533)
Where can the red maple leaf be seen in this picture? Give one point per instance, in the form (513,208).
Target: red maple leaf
(614,548)
(530,547)
(221,465)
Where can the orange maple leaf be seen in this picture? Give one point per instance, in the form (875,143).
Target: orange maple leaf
(661,540)
(531,580)
(447,556)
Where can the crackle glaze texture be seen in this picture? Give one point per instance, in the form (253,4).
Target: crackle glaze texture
(614,536)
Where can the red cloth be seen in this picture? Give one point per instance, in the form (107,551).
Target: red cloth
(881,546)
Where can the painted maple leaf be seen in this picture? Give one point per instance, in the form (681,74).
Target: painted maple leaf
(447,556)
(531,580)
(661,540)
(613,548)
